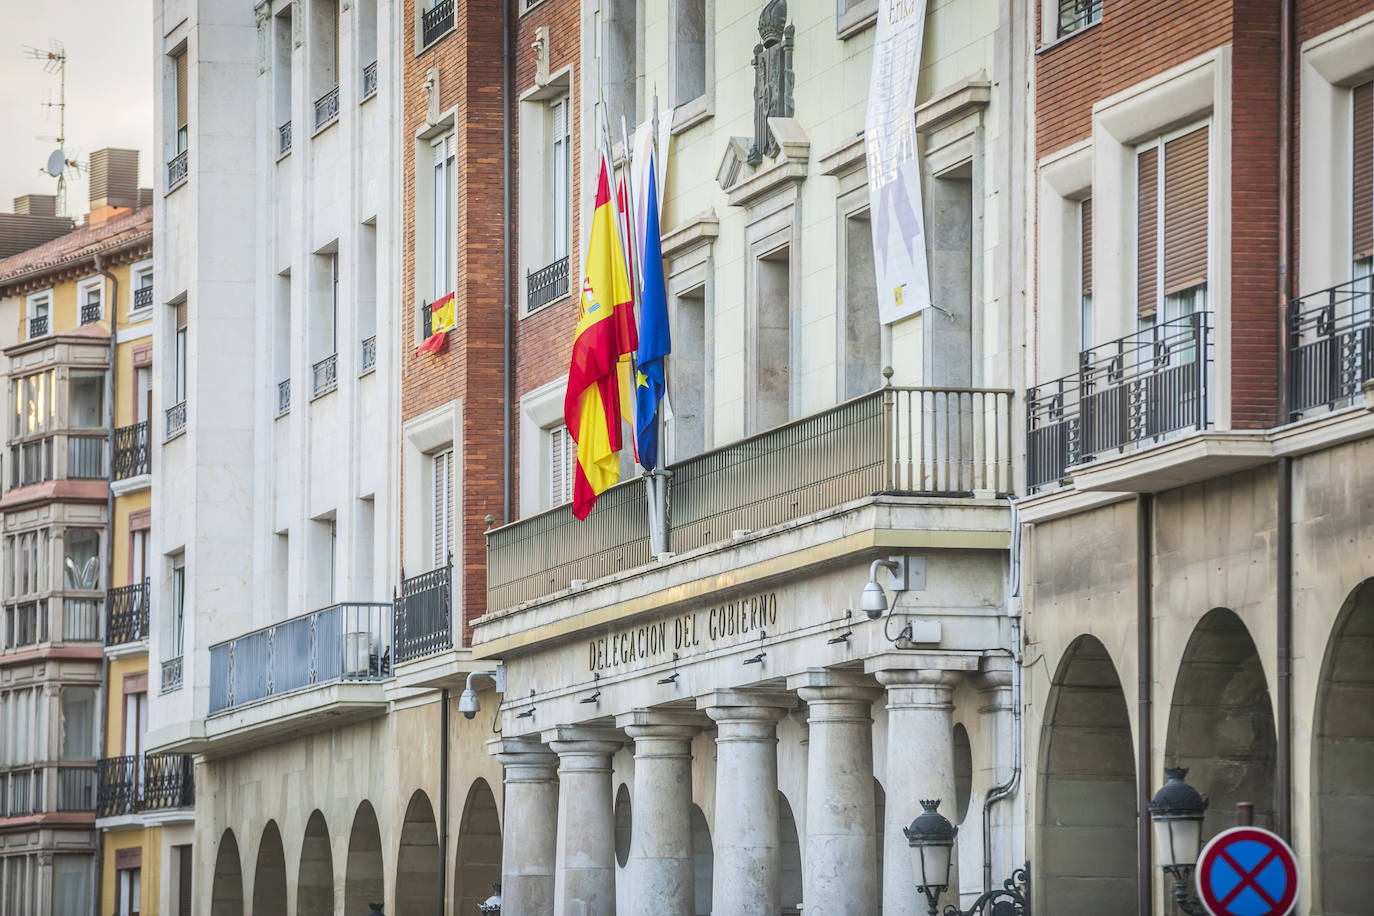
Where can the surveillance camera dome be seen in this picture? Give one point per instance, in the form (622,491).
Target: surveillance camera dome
(874,600)
(467,703)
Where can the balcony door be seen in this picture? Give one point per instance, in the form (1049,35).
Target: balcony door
(143,403)
(136,726)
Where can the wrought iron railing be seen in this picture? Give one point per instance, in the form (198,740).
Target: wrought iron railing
(143,298)
(80,619)
(144,782)
(369,355)
(1330,347)
(90,312)
(177,169)
(909,441)
(126,614)
(26,623)
(176,419)
(120,788)
(326,375)
(85,457)
(547,283)
(327,108)
(284,139)
(1075,15)
(435,21)
(38,326)
(1131,391)
(424,614)
(283,396)
(171,674)
(369,81)
(76,788)
(132,457)
(343,642)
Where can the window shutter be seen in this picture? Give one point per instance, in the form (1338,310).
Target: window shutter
(1085,246)
(181,316)
(443,506)
(1147,231)
(1363,184)
(1185,211)
(179,61)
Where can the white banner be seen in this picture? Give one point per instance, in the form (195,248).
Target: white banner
(894,168)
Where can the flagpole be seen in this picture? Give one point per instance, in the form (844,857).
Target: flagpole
(661,479)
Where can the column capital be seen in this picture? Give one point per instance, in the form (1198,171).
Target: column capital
(822,685)
(524,759)
(581,740)
(767,703)
(661,723)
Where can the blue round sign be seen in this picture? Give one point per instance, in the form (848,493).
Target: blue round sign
(1247,871)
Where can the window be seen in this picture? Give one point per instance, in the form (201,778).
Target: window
(441,483)
(135,721)
(90,300)
(562,462)
(143,394)
(39,305)
(179,357)
(324,48)
(81,564)
(366,298)
(445,197)
(1076,15)
(181,880)
(141,291)
(72,885)
(689,51)
(177,622)
(772,341)
(28,564)
(77,708)
(1362,186)
(560,163)
(282,77)
(281,348)
(1172,240)
(1085,274)
(35,404)
(87,392)
(620,63)
(128,891)
(179,79)
(862,337)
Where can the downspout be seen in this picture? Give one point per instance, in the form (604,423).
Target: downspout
(109,551)
(1283,597)
(507,383)
(1005,790)
(443,796)
(1144,574)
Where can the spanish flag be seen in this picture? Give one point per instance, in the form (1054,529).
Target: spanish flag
(442,320)
(605,331)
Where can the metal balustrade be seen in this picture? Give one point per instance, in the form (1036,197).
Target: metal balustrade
(143,298)
(326,375)
(908,441)
(424,614)
(369,355)
(1330,347)
(80,619)
(171,674)
(178,169)
(327,108)
(90,312)
(343,642)
(176,419)
(547,284)
(119,788)
(38,326)
(283,396)
(1131,391)
(85,457)
(284,139)
(76,788)
(435,21)
(131,455)
(144,782)
(126,614)
(369,81)
(1076,15)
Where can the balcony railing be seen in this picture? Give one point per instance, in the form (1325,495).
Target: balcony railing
(38,326)
(80,619)
(177,169)
(284,139)
(909,441)
(171,674)
(436,20)
(26,623)
(131,454)
(283,396)
(1330,347)
(76,788)
(86,457)
(176,419)
(143,298)
(424,614)
(547,283)
(21,793)
(1075,15)
(369,81)
(126,614)
(327,108)
(369,355)
(31,462)
(1128,392)
(326,375)
(90,312)
(147,782)
(343,642)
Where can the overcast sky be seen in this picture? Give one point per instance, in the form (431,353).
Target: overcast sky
(109,89)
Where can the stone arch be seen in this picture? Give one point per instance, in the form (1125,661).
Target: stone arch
(364,879)
(703,863)
(269,874)
(963,773)
(417,860)
(624,825)
(790,852)
(226,891)
(1343,760)
(1086,814)
(1221,723)
(315,880)
(479,849)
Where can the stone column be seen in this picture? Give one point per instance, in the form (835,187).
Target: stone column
(841,837)
(529,834)
(661,877)
(747,872)
(920,764)
(584,884)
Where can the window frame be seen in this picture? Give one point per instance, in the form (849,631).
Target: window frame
(43,299)
(1159,142)
(441,536)
(443,221)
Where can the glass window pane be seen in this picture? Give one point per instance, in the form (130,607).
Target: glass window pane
(78,723)
(81,566)
(72,885)
(88,399)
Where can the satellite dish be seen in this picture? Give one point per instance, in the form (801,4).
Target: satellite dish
(56,163)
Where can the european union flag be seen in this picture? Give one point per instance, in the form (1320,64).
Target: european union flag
(654,340)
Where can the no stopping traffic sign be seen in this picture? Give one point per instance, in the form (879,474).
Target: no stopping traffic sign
(1247,871)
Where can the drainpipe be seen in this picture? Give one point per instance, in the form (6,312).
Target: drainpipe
(1005,790)
(109,548)
(507,386)
(443,795)
(1144,537)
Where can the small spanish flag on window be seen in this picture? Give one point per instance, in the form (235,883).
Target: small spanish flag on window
(441,321)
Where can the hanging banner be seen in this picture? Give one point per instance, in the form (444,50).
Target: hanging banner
(894,168)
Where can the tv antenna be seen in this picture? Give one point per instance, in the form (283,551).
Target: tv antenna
(59,164)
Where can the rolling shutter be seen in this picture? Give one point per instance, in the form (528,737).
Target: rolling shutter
(443,507)
(1085,247)
(1185,211)
(1363,185)
(1147,231)
(179,61)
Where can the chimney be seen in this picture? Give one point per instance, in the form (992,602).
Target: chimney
(114,178)
(36,205)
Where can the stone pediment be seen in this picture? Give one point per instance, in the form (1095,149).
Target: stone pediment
(744,184)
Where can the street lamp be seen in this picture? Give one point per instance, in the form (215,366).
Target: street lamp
(493,903)
(1177,811)
(931,841)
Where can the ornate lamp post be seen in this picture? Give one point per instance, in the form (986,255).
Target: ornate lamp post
(931,840)
(493,903)
(1177,811)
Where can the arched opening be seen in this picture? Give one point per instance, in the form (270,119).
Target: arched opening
(1344,760)
(479,849)
(790,849)
(703,863)
(963,772)
(1221,726)
(315,886)
(363,881)
(624,823)
(226,893)
(269,875)
(417,861)
(879,818)
(1087,809)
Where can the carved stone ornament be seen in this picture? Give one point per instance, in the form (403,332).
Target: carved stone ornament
(262,15)
(297,24)
(773,78)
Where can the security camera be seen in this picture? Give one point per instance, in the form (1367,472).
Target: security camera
(467,703)
(874,600)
